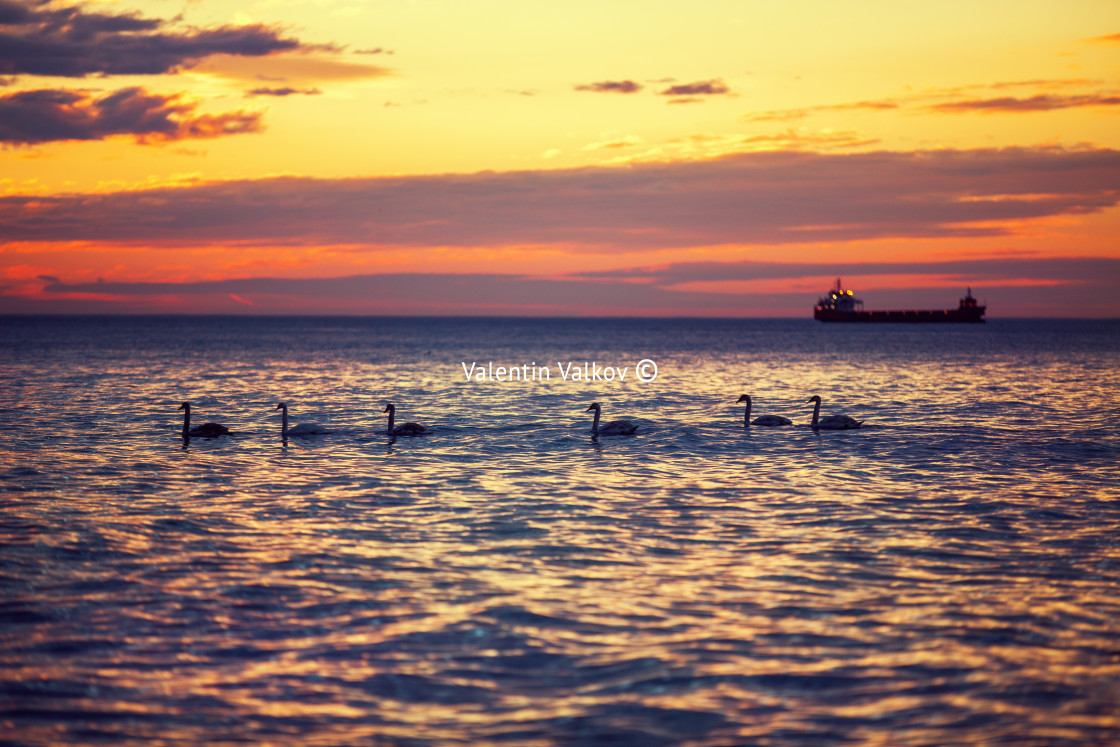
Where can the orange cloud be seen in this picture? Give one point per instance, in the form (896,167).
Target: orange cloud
(782,115)
(304,70)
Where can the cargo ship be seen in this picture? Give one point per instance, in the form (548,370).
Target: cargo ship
(841,306)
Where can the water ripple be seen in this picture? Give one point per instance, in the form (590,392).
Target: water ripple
(950,573)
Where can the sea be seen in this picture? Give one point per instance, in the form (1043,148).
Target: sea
(949,573)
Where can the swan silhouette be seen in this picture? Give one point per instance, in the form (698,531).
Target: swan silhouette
(206,430)
(761,419)
(404,429)
(831,422)
(303,429)
(613,428)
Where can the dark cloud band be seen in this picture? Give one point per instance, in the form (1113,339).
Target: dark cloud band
(611,86)
(1040,103)
(702,88)
(1085,283)
(36,39)
(758,198)
(30,117)
(283,91)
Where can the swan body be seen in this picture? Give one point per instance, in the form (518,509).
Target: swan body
(767,420)
(303,429)
(831,422)
(206,430)
(613,428)
(404,429)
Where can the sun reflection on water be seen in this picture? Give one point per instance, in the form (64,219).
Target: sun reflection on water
(948,573)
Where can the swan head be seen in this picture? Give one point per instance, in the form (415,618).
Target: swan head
(389,408)
(185,406)
(745,398)
(815,398)
(593,406)
(281,406)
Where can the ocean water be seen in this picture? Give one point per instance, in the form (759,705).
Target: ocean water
(947,574)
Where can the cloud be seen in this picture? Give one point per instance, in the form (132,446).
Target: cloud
(782,115)
(794,139)
(713,87)
(284,91)
(629,141)
(681,94)
(1107,39)
(290,69)
(988,271)
(611,86)
(41,39)
(394,293)
(787,289)
(1039,103)
(741,199)
(41,116)
(950,101)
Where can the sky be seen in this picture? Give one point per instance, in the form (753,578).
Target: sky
(503,157)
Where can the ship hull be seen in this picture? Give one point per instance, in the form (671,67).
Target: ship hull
(968,316)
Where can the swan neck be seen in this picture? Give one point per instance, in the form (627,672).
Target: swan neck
(186,421)
(747,414)
(284,421)
(595,425)
(390,428)
(816,412)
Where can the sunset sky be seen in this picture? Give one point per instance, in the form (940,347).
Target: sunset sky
(709,158)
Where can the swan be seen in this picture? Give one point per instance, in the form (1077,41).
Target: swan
(613,428)
(404,429)
(832,422)
(761,419)
(206,430)
(303,429)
